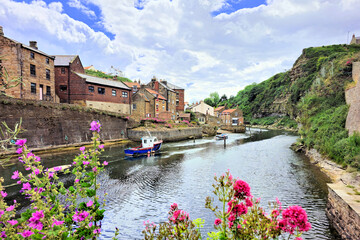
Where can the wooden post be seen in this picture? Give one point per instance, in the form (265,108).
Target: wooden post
(224,142)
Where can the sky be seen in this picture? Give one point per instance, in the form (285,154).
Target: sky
(201,45)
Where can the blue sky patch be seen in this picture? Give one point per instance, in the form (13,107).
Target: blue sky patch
(93,21)
(234,5)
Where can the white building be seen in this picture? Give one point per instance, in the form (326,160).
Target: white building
(203,108)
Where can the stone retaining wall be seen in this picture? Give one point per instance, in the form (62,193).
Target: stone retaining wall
(343,211)
(59,124)
(167,135)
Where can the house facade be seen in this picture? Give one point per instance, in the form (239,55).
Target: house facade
(149,103)
(103,94)
(179,98)
(218,111)
(135,86)
(203,108)
(168,93)
(355,40)
(232,117)
(33,68)
(69,86)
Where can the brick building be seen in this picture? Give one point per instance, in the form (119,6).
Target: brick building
(232,117)
(69,86)
(34,69)
(168,93)
(135,86)
(180,96)
(355,40)
(149,103)
(74,86)
(218,111)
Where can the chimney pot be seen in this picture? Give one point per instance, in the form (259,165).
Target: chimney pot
(1,31)
(33,44)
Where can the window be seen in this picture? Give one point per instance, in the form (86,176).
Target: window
(145,141)
(157,107)
(33,88)
(101,90)
(63,88)
(236,114)
(134,88)
(91,88)
(177,102)
(134,106)
(62,70)
(32,70)
(163,107)
(163,101)
(47,61)
(124,94)
(47,74)
(113,92)
(32,55)
(48,91)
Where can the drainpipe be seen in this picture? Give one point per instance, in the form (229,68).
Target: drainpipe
(19,56)
(68,83)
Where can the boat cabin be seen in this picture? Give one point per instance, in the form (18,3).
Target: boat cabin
(147,142)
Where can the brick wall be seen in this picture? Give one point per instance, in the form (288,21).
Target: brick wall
(180,96)
(17,61)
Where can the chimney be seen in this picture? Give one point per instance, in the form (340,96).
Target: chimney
(115,77)
(139,81)
(33,44)
(156,86)
(142,86)
(1,31)
(164,82)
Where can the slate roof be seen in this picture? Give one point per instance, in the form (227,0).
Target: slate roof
(144,96)
(64,60)
(155,93)
(165,86)
(30,48)
(102,81)
(172,86)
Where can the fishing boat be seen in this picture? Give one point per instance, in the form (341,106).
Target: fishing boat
(222,136)
(149,145)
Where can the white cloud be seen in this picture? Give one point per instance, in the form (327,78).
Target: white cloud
(182,42)
(78,5)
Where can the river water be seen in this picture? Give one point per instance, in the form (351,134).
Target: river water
(142,189)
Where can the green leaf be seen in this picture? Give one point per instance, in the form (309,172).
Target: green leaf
(90,192)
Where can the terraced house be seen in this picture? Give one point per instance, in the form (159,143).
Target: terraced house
(32,67)
(76,87)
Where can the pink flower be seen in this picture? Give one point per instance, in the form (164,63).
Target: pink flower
(85,162)
(1,212)
(230,224)
(27,233)
(294,217)
(95,126)
(51,175)
(298,238)
(19,151)
(82,149)
(89,204)
(10,208)
(94,169)
(80,216)
(275,213)
(248,202)
(77,180)
(29,155)
(242,189)
(3,235)
(12,222)
(57,223)
(37,159)
(74,163)
(57,168)
(21,142)
(105,163)
(15,175)
(36,171)
(35,220)
(97,231)
(101,146)
(218,221)
(3,194)
(26,186)
(174,206)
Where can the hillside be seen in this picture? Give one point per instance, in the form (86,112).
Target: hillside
(312,93)
(107,76)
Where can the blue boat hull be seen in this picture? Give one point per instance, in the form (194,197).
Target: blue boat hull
(142,151)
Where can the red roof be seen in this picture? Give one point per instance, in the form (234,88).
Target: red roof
(87,67)
(157,94)
(219,108)
(132,84)
(228,111)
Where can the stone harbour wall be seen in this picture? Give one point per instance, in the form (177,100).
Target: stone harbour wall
(167,135)
(343,211)
(59,124)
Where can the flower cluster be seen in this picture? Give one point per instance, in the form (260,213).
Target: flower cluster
(47,217)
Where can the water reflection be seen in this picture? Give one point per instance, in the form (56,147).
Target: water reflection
(144,188)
